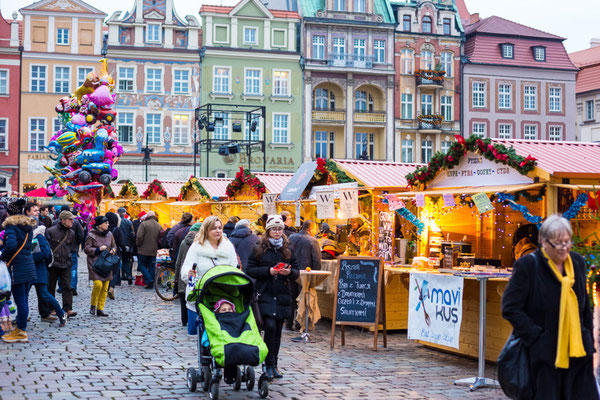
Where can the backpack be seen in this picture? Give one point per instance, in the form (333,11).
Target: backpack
(161,241)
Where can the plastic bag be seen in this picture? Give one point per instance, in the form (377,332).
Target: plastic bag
(4,278)
(513,370)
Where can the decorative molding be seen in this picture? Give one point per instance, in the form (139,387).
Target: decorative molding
(289,99)
(228,96)
(63,5)
(246,97)
(289,146)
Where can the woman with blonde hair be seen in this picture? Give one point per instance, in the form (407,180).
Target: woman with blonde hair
(209,249)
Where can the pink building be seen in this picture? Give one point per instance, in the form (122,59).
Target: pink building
(519,83)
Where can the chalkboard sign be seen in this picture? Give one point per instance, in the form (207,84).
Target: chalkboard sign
(386,235)
(359,295)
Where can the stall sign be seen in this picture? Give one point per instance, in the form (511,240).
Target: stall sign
(269,206)
(298,212)
(483,203)
(449,200)
(420,200)
(386,235)
(325,204)
(435,304)
(335,187)
(394,203)
(349,203)
(293,190)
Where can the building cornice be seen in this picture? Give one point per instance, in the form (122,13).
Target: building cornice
(63,14)
(61,57)
(140,54)
(574,71)
(255,53)
(348,22)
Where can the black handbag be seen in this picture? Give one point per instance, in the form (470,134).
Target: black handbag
(104,263)
(513,370)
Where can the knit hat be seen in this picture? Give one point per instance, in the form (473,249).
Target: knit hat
(274,221)
(141,215)
(113,219)
(219,303)
(16,207)
(122,210)
(65,215)
(99,220)
(329,245)
(241,223)
(196,227)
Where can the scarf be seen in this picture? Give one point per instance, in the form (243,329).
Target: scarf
(277,243)
(569,326)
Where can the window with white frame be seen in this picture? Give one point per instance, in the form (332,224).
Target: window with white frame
(504,96)
(56,125)
(530,98)
(153,128)
(281,83)
(181,129)
(445,146)
(359,49)
(339,5)
(248,133)
(153,33)
(3,134)
(181,81)
(505,131)
(446,107)
(339,48)
(589,110)
(379,50)
(406,22)
(62,36)
(38,78)
(125,127)
(126,76)
(406,105)
(507,50)
(478,95)
(82,73)
(479,129)
(62,78)
(408,150)
(321,99)
(426,59)
(426,24)
(153,80)
(250,35)
(321,144)
(360,101)
(222,131)
(530,132)
(539,53)
(318,47)
(37,134)
(252,82)
(221,80)
(407,61)
(364,145)
(555,99)
(359,6)
(555,133)
(426,150)
(281,128)
(3,81)
(447,60)
(426,104)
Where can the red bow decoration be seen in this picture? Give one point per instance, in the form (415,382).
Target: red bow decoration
(527,159)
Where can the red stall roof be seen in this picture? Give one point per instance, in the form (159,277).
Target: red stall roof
(173,188)
(274,181)
(379,174)
(216,187)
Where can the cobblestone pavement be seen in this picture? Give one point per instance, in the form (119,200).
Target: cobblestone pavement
(142,352)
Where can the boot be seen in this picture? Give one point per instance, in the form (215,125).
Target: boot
(276,373)
(101,313)
(269,372)
(16,335)
(111,293)
(93,310)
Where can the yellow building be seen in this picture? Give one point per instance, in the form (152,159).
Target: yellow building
(62,43)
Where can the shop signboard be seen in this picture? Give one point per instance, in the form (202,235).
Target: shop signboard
(386,235)
(293,190)
(449,200)
(349,203)
(483,203)
(269,206)
(325,204)
(394,202)
(435,305)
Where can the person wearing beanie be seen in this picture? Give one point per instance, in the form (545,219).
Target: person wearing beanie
(99,239)
(330,250)
(113,226)
(146,241)
(181,254)
(128,250)
(273,249)
(244,241)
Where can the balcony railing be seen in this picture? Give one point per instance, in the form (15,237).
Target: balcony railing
(329,115)
(351,60)
(373,117)
(430,122)
(429,77)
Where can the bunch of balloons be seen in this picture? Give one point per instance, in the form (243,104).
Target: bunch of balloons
(86,148)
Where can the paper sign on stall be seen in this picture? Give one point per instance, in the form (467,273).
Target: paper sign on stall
(435,304)
(449,200)
(269,206)
(420,200)
(325,205)
(483,203)
(349,203)
(298,212)
(394,203)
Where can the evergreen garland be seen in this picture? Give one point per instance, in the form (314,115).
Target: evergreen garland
(128,187)
(155,187)
(244,176)
(193,184)
(330,169)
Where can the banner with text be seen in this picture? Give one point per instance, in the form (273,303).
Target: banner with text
(269,206)
(325,204)
(435,308)
(349,203)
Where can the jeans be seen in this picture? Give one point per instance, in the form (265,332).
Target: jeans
(127,261)
(20,295)
(64,274)
(272,339)
(46,301)
(74,263)
(146,265)
(191,322)
(116,279)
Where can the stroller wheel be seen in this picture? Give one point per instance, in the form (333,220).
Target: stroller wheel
(214,390)
(249,378)
(192,379)
(238,379)
(263,386)
(206,377)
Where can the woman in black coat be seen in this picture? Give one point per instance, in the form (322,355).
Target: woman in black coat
(272,285)
(532,305)
(113,227)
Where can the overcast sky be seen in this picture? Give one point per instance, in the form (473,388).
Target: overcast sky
(576,20)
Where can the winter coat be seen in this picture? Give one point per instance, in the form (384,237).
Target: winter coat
(531,303)
(205,256)
(42,255)
(306,250)
(181,254)
(289,231)
(79,234)
(229,228)
(16,229)
(46,221)
(181,234)
(94,241)
(274,297)
(113,226)
(128,233)
(147,237)
(244,241)
(173,232)
(62,253)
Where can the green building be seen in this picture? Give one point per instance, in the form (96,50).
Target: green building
(250,58)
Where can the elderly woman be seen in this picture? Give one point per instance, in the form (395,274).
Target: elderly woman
(547,304)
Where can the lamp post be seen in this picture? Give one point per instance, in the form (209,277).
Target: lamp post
(146,160)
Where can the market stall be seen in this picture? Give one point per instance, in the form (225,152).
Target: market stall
(193,198)
(156,198)
(122,195)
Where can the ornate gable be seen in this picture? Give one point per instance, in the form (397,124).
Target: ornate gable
(68,6)
(154,15)
(251,8)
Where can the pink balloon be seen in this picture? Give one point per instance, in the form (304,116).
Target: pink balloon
(102,97)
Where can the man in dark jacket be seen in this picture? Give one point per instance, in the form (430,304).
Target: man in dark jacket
(79,240)
(147,244)
(126,228)
(185,223)
(244,241)
(45,216)
(230,225)
(61,238)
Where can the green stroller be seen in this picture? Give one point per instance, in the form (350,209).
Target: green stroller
(229,341)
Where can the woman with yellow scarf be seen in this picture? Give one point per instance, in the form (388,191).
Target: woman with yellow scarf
(547,304)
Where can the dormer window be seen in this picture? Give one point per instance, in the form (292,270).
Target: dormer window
(153,33)
(539,53)
(426,24)
(447,26)
(508,50)
(406,23)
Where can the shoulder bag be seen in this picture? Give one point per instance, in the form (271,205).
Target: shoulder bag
(18,251)
(104,263)
(64,239)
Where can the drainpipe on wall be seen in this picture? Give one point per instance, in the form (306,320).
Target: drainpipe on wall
(19,124)
(463,61)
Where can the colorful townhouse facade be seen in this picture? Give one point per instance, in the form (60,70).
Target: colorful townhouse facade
(251,80)
(10,75)
(588,92)
(154,58)
(348,53)
(62,43)
(428,39)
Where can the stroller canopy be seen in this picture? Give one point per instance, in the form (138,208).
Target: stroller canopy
(223,282)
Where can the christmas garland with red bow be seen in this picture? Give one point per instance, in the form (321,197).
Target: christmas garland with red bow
(155,187)
(492,151)
(192,184)
(244,176)
(108,192)
(330,169)
(128,187)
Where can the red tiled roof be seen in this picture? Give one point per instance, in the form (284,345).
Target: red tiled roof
(274,181)
(561,159)
(216,187)
(379,174)
(586,57)
(500,26)
(588,79)
(227,10)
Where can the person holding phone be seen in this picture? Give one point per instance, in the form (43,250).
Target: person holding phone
(273,265)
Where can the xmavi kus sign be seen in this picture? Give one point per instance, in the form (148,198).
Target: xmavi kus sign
(435,308)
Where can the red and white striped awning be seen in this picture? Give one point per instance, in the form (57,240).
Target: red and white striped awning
(173,188)
(378,174)
(216,187)
(274,181)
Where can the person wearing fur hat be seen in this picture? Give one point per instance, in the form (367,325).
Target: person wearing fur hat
(209,249)
(16,252)
(273,265)
(181,254)
(99,239)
